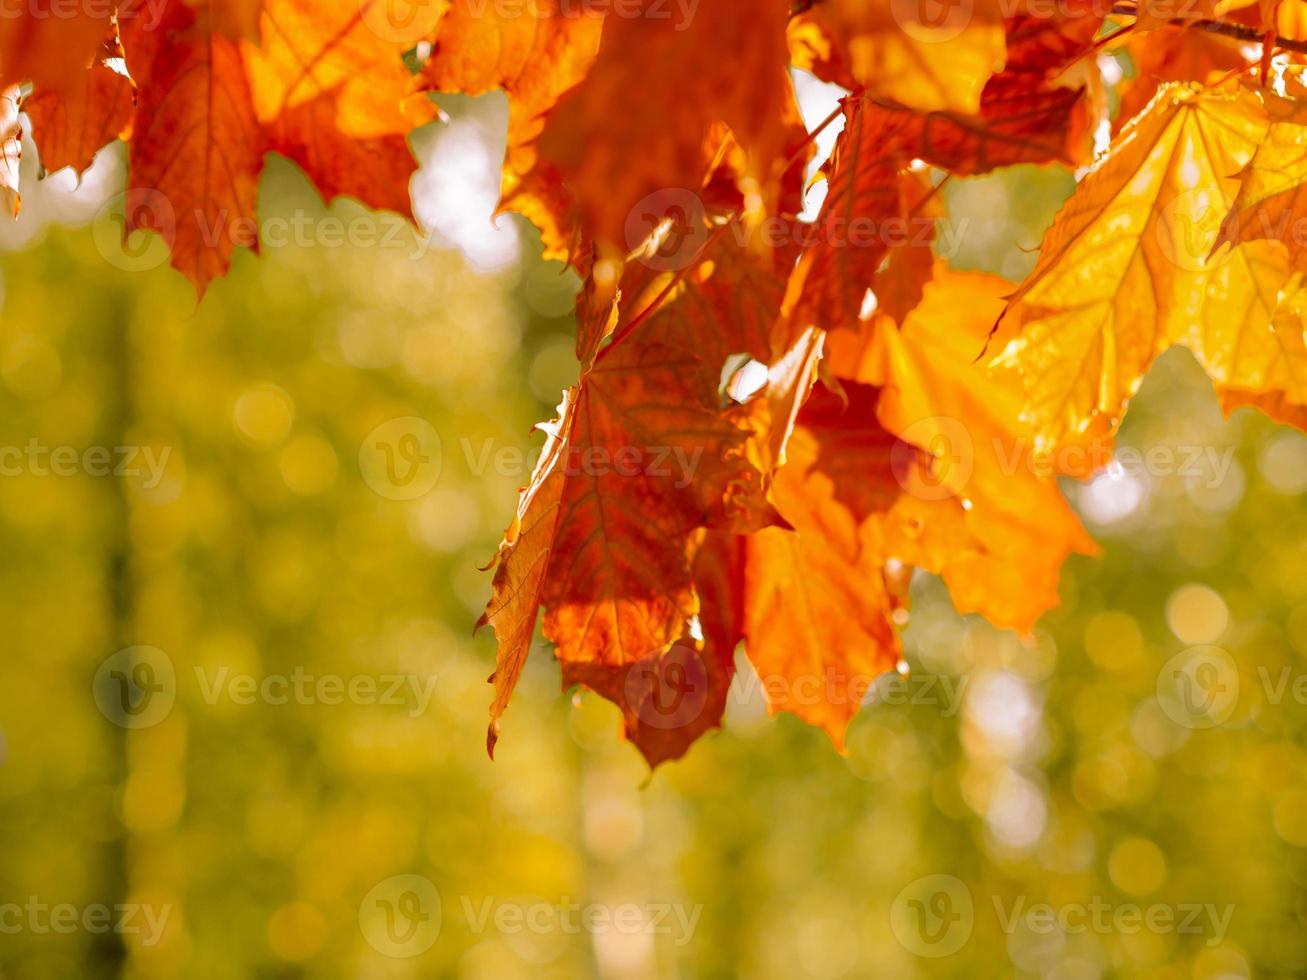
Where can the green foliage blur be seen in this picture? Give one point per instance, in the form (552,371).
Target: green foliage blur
(1051,779)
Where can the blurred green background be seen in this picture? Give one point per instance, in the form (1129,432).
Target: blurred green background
(372,838)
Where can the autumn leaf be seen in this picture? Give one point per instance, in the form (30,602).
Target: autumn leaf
(868,198)
(534,57)
(309,49)
(1124,272)
(1272,371)
(611,159)
(11,149)
(71,128)
(50,43)
(197,148)
(1272,198)
(669,700)
(637,462)
(375,169)
(818,609)
(990,518)
(911,53)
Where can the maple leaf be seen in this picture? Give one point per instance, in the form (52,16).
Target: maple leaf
(11,148)
(874,208)
(70,128)
(1272,198)
(197,148)
(928,57)
(1123,273)
(988,516)
(534,57)
(1272,370)
(670,699)
(309,49)
(611,159)
(818,610)
(50,43)
(871,205)
(374,169)
(637,461)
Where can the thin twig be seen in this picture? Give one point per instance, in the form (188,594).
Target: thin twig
(1240,32)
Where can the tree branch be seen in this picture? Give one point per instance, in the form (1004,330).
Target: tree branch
(1240,32)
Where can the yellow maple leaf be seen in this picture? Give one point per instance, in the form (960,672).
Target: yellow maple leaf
(1127,270)
(926,55)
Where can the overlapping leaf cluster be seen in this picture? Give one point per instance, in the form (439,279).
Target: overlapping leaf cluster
(776,420)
